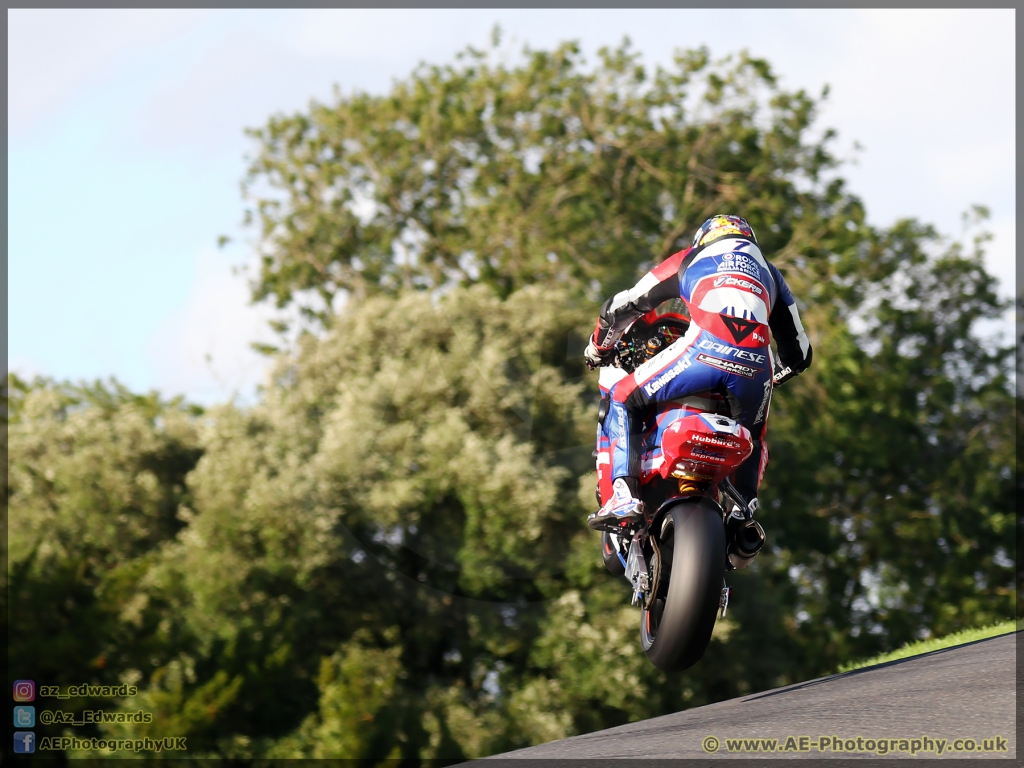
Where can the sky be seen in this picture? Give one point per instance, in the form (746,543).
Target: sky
(126,147)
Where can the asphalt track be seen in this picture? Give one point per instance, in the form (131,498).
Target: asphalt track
(965,692)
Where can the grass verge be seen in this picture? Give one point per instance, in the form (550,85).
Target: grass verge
(935,643)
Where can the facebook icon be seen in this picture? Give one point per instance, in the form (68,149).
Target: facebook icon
(24,742)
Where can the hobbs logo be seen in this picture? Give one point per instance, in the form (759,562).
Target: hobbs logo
(666,377)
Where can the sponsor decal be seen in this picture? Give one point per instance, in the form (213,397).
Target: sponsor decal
(758,338)
(739,327)
(729,366)
(780,376)
(738,262)
(704,453)
(666,377)
(764,401)
(725,349)
(715,440)
(739,281)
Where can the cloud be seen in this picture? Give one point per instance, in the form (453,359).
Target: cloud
(270,62)
(202,348)
(53,55)
(357,33)
(930,94)
(232,79)
(974,168)
(25,367)
(1001,254)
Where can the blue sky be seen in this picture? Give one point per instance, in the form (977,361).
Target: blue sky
(126,147)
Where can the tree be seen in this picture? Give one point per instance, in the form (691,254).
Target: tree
(431,539)
(96,477)
(545,172)
(892,465)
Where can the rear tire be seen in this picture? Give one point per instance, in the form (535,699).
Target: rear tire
(611,559)
(676,631)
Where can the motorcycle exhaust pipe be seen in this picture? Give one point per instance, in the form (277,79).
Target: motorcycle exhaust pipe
(745,544)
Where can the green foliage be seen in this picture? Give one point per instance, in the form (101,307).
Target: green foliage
(896,454)
(95,479)
(357,685)
(385,557)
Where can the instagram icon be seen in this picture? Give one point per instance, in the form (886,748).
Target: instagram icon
(24,690)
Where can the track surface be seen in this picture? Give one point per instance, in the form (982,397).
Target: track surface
(963,692)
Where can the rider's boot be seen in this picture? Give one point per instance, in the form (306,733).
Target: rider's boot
(623,505)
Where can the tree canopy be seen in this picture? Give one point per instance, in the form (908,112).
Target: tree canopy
(386,555)
(548,171)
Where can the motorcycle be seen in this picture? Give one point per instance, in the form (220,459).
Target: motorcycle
(696,526)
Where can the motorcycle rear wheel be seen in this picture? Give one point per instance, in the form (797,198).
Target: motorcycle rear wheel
(676,631)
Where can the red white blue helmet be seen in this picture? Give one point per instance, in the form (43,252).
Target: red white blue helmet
(722,224)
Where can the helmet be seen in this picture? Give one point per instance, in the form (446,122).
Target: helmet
(722,224)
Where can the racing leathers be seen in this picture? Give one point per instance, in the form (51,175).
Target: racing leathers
(733,296)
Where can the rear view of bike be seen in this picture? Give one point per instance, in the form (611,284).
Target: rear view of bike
(695,528)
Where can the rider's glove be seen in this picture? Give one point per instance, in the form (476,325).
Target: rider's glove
(784,375)
(597,356)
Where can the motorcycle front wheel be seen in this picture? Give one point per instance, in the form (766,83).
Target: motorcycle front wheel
(610,555)
(676,630)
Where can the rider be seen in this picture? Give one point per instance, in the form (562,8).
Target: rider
(733,296)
